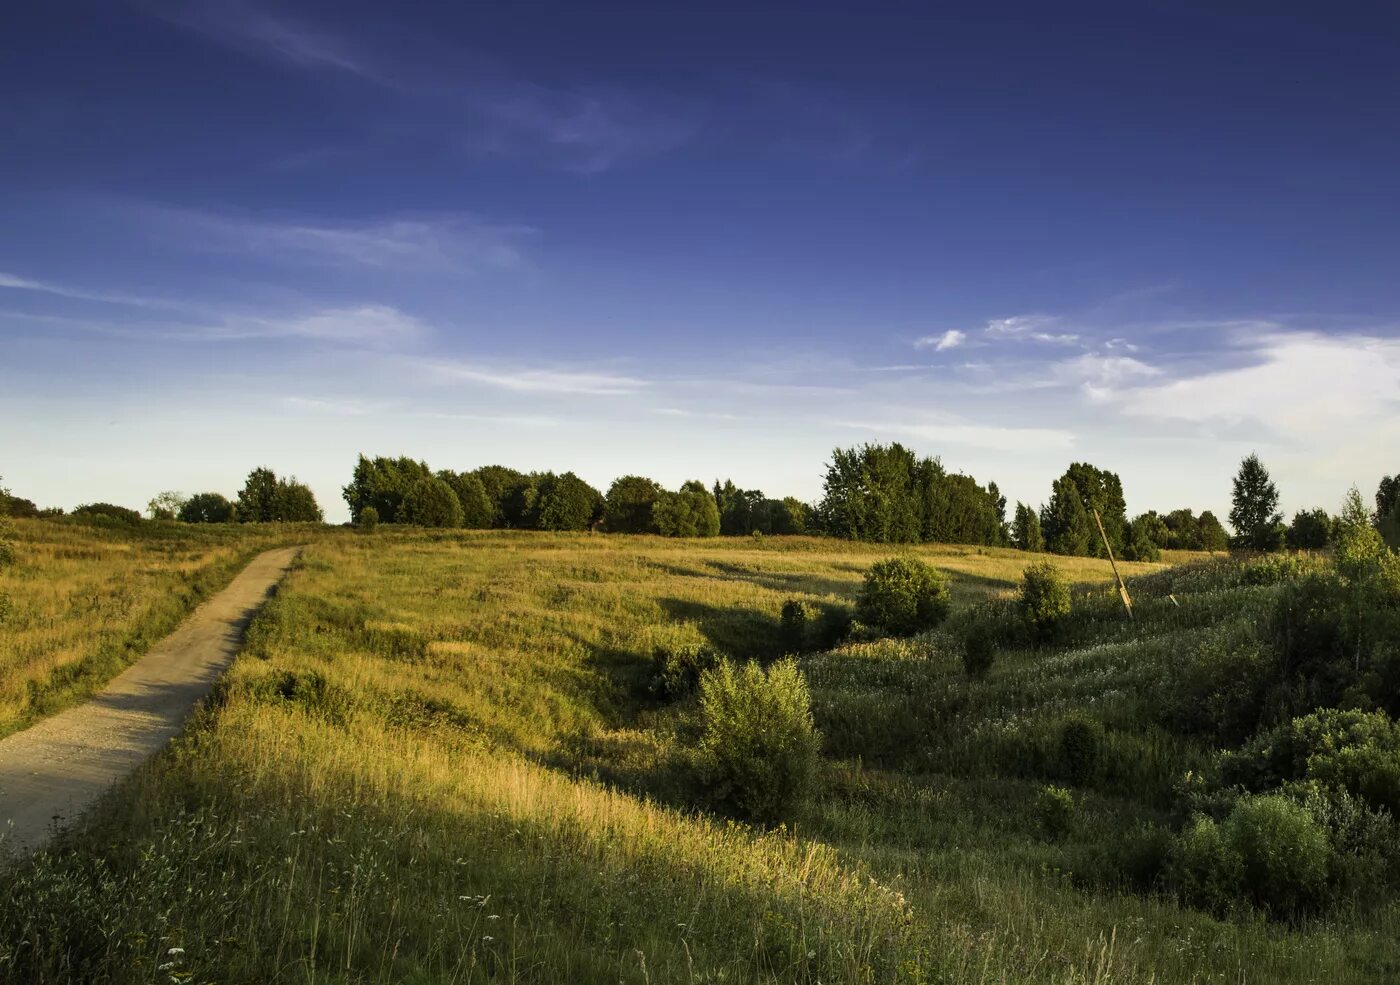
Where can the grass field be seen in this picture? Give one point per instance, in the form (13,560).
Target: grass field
(91,596)
(438,760)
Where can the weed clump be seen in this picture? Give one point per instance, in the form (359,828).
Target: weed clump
(903,596)
(1044,600)
(792,628)
(979,652)
(368,519)
(758,750)
(1081,748)
(1055,808)
(678,659)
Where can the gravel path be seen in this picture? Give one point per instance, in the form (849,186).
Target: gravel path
(52,772)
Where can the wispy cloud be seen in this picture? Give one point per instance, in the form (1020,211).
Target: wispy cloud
(528,379)
(982,436)
(471,102)
(1032,328)
(17,283)
(442,242)
(1100,377)
(950,339)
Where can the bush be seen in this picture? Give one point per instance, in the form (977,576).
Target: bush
(793,627)
(1284,854)
(832,626)
(678,658)
(759,746)
(1354,751)
(903,596)
(979,652)
(1044,600)
(111,512)
(1203,868)
(1275,569)
(1056,811)
(1221,687)
(368,519)
(1270,852)
(1081,748)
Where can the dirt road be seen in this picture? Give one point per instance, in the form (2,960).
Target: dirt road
(52,772)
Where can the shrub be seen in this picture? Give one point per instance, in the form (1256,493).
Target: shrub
(1284,854)
(979,652)
(1203,867)
(831,627)
(1274,569)
(679,655)
(793,626)
(1056,810)
(1354,751)
(903,596)
(1081,748)
(119,513)
(1221,686)
(1044,599)
(368,519)
(759,746)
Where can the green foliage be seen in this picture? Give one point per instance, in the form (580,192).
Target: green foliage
(207,507)
(692,512)
(430,502)
(564,502)
(1348,750)
(7,547)
(1221,685)
(368,519)
(267,499)
(166,506)
(979,652)
(679,657)
(792,627)
(1203,867)
(1044,600)
(628,506)
(119,513)
(1068,520)
(382,483)
(511,494)
(1311,530)
(832,626)
(478,509)
(1141,547)
(884,493)
(790,515)
(1270,852)
(758,750)
(1254,513)
(903,596)
(1056,811)
(1026,534)
(1081,748)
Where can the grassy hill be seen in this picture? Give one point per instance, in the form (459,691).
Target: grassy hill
(441,758)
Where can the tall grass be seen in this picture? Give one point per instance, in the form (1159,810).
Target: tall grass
(438,759)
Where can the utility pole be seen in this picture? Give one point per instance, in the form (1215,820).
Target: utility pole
(1122,588)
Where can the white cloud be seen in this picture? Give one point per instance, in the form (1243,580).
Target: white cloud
(1101,376)
(1033,328)
(950,339)
(534,380)
(981,436)
(16,283)
(1303,385)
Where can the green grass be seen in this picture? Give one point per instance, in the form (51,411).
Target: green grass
(87,597)
(438,760)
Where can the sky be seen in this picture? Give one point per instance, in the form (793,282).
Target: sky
(699,241)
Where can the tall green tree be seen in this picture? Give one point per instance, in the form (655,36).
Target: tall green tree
(7,532)
(1067,526)
(382,482)
(1311,530)
(1254,513)
(1025,530)
(512,493)
(691,512)
(1210,533)
(268,499)
(478,509)
(208,507)
(297,503)
(431,502)
(1388,510)
(628,505)
(166,505)
(564,502)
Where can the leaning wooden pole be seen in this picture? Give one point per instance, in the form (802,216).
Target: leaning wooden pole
(1122,588)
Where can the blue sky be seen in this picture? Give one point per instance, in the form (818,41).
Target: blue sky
(696,243)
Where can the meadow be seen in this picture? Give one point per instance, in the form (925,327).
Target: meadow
(441,757)
(93,594)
